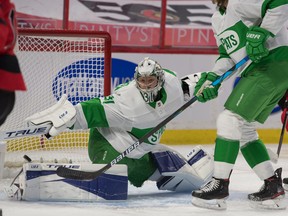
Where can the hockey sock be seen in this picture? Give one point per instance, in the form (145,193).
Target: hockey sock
(226,150)
(225,155)
(255,153)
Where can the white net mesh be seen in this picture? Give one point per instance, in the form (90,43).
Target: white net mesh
(53,65)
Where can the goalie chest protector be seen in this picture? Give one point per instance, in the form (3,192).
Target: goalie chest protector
(39,182)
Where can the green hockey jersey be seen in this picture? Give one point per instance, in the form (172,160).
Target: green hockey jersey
(123,117)
(230,28)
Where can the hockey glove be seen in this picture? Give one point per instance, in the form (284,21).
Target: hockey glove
(61,116)
(256,38)
(204,91)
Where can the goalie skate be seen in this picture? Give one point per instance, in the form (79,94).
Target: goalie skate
(270,195)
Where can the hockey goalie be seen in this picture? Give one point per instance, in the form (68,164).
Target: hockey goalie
(116,122)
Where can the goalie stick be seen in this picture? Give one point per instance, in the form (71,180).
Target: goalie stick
(85,175)
(24,132)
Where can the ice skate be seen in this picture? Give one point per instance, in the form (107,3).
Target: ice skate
(285,184)
(271,194)
(212,195)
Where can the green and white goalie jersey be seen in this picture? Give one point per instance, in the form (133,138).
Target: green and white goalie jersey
(123,117)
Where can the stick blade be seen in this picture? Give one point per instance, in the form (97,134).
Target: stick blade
(65,172)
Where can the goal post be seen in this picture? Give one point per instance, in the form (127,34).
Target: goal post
(53,63)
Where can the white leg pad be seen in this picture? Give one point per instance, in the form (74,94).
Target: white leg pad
(183,174)
(39,182)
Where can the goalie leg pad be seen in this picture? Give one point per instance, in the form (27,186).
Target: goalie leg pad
(183,174)
(39,182)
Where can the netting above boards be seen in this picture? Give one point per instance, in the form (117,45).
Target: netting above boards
(55,63)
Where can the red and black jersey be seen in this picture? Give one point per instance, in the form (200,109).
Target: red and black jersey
(11,78)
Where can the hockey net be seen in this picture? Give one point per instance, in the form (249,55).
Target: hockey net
(56,62)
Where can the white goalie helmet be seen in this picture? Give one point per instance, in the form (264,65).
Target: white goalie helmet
(149,77)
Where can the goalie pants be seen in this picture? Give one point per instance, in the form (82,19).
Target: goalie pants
(101,152)
(7,99)
(260,87)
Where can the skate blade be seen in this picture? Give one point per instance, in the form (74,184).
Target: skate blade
(217,204)
(274,204)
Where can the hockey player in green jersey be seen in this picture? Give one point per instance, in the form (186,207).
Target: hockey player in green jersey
(257,29)
(118,120)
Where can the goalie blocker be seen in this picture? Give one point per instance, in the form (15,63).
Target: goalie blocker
(39,181)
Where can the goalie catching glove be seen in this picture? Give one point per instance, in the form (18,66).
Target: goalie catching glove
(61,116)
(204,91)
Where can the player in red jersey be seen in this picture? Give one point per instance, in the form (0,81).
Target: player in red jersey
(11,78)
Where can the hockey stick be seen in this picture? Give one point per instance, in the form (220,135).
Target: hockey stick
(282,130)
(24,132)
(274,157)
(84,175)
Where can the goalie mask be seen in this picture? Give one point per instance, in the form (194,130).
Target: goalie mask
(149,77)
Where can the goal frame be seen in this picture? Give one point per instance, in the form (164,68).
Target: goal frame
(13,158)
(83,33)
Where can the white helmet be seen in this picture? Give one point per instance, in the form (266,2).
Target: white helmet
(148,68)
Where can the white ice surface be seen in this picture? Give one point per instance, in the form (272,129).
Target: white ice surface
(148,201)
